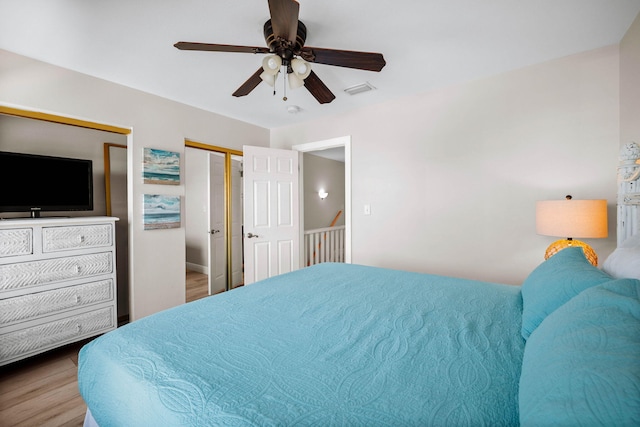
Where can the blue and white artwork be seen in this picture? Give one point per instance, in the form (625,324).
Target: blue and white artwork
(161,167)
(161,212)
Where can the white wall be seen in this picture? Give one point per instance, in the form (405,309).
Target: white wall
(157,257)
(452,176)
(328,174)
(630,84)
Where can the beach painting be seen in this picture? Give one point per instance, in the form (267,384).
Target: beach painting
(161,212)
(161,167)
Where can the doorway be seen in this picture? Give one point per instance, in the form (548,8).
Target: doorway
(277,207)
(233,230)
(341,146)
(213,219)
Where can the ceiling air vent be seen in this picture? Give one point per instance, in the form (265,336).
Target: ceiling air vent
(362,87)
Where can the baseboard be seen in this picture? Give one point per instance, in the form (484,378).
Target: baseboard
(197,268)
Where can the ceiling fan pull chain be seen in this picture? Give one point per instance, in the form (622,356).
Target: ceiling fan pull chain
(284,81)
(274,83)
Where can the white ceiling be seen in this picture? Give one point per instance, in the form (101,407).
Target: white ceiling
(427,44)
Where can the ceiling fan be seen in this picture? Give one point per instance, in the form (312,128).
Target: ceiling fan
(285,37)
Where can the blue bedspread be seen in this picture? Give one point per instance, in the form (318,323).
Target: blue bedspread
(333,344)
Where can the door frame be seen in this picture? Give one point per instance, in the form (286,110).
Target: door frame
(342,141)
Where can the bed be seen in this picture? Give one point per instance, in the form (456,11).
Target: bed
(342,344)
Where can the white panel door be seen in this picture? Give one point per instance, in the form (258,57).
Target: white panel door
(271,212)
(217,245)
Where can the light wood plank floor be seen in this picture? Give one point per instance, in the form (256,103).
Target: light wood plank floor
(42,391)
(197,285)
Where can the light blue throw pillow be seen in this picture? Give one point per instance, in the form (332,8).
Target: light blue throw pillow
(553,283)
(581,366)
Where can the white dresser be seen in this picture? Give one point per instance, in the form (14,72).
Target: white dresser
(57,283)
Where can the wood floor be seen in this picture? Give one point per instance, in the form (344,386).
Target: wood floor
(197,286)
(42,391)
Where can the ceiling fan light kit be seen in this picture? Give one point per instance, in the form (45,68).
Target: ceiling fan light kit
(285,36)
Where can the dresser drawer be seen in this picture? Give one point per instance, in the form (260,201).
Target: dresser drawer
(56,239)
(15,242)
(24,274)
(38,338)
(32,306)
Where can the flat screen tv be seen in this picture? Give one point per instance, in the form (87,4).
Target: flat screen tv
(34,183)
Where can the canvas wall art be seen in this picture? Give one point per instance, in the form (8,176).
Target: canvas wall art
(161,212)
(161,167)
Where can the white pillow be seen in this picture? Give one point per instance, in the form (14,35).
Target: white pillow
(631,242)
(624,262)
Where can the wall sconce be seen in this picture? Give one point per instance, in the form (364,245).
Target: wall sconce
(575,218)
(323,194)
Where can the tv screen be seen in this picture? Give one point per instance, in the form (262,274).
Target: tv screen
(35,183)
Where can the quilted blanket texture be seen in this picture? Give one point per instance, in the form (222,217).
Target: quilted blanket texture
(332,344)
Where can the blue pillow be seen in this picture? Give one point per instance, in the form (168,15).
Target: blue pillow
(555,282)
(581,366)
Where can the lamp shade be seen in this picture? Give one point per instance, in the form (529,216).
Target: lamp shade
(301,68)
(269,79)
(294,81)
(271,64)
(572,218)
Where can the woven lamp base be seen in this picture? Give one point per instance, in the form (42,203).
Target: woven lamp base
(559,245)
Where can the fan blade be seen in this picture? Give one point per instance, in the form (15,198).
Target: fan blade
(318,89)
(220,47)
(344,58)
(250,84)
(284,18)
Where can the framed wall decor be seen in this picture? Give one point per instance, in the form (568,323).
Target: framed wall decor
(161,212)
(161,167)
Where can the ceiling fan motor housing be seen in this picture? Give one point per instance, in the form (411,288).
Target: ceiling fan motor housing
(282,47)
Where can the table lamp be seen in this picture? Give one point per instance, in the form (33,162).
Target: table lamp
(575,218)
